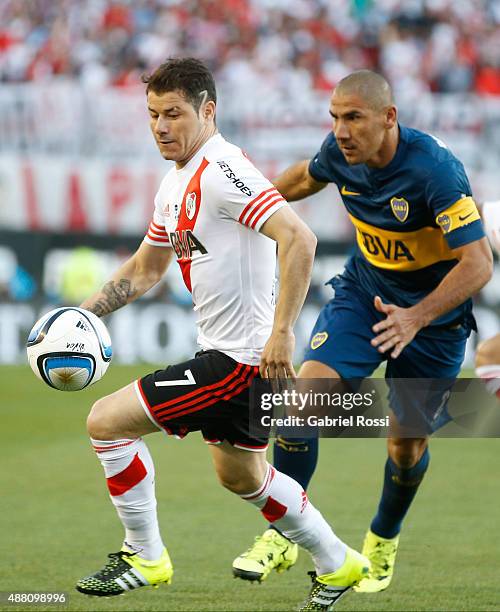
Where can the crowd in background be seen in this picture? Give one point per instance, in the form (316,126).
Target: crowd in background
(420,45)
(82,156)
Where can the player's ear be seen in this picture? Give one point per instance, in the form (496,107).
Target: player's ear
(208,110)
(391,116)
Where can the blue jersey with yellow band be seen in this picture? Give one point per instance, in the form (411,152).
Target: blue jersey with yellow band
(408,217)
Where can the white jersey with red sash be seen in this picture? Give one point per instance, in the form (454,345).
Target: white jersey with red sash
(210,212)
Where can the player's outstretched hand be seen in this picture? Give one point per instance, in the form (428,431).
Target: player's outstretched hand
(276,358)
(397,330)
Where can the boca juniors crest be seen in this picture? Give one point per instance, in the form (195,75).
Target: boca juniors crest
(400,208)
(318,339)
(444,223)
(191,205)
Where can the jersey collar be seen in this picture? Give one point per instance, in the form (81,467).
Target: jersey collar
(202,152)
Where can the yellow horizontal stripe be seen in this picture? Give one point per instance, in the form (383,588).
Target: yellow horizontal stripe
(401,251)
(463,212)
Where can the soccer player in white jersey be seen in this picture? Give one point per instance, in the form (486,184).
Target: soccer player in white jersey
(221,219)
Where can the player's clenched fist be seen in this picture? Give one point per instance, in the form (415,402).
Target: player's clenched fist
(397,330)
(276,358)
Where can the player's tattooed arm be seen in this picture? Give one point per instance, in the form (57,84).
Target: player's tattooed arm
(114,295)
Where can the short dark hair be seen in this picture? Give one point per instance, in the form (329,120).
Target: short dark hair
(185,74)
(371,86)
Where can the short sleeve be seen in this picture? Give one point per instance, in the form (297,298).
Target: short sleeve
(244,194)
(449,196)
(156,234)
(320,165)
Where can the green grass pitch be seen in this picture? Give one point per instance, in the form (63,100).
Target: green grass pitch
(57,523)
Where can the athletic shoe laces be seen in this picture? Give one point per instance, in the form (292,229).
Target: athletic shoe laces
(260,549)
(115,561)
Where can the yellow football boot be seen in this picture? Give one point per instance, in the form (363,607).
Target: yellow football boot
(270,551)
(126,571)
(327,589)
(382,555)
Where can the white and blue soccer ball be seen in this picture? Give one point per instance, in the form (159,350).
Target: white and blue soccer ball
(69,348)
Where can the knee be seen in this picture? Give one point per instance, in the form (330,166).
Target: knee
(229,482)
(100,422)
(488,352)
(240,483)
(406,452)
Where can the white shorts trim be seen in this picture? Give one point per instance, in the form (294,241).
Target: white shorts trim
(145,408)
(252,450)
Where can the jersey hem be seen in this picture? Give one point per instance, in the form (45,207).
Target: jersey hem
(234,355)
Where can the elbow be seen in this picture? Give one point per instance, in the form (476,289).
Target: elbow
(487,268)
(308,241)
(297,241)
(308,237)
(312,241)
(146,279)
(482,274)
(153,279)
(490,269)
(478,266)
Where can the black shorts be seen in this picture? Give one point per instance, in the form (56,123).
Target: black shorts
(210,393)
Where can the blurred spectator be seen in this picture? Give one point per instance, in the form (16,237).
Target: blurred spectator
(8,267)
(15,282)
(82,275)
(421,45)
(22,285)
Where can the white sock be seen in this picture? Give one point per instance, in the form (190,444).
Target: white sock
(490,374)
(284,503)
(130,476)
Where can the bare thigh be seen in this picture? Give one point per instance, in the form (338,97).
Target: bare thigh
(119,415)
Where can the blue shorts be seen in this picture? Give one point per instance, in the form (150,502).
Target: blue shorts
(341,340)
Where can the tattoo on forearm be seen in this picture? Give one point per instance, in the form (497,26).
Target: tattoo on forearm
(116,295)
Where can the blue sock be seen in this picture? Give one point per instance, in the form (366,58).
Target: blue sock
(297,458)
(400,487)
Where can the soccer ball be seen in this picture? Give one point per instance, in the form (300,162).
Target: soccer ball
(69,348)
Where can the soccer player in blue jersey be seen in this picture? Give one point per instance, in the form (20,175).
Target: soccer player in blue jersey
(403,298)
